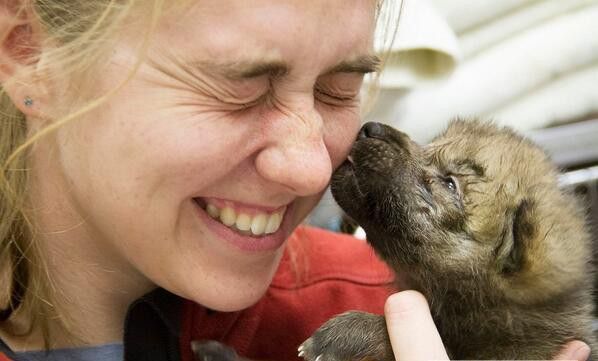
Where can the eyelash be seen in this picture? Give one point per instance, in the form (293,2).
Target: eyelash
(249,104)
(335,98)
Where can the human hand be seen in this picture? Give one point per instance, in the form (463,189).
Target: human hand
(574,350)
(414,336)
(412,332)
(406,332)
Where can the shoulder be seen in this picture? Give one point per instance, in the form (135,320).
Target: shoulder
(315,255)
(6,353)
(3,357)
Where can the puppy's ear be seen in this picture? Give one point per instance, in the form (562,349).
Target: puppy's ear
(517,238)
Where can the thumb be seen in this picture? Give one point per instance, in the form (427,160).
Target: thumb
(412,331)
(574,350)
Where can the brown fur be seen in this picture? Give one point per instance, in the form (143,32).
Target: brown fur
(503,260)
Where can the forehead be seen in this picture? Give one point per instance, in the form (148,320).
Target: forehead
(504,155)
(309,32)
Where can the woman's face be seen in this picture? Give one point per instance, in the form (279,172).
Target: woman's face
(198,170)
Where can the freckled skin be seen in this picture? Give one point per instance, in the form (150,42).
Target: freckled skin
(121,180)
(476,222)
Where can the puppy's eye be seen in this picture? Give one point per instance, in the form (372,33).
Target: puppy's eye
(451,183)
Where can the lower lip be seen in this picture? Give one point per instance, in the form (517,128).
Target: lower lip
(263,243)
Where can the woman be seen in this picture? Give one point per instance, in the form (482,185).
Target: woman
(176,145)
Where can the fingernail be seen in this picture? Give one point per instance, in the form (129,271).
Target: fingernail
(582,353)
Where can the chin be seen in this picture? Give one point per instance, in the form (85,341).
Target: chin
(237,305)
(231,291)
(231,299)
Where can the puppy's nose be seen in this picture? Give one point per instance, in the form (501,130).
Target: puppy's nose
(371,130)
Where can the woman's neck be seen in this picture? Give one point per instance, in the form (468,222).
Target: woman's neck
(91,284)
(91,297)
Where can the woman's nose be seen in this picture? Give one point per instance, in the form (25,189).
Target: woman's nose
(296,156)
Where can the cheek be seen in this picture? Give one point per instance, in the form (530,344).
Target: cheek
(340,130)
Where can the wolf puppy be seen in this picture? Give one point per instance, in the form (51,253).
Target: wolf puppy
(477,223)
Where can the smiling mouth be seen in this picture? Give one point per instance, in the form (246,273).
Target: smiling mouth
(255,225)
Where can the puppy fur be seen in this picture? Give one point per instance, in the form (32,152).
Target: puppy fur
(476,222)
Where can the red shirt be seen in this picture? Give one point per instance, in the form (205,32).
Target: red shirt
(330,273)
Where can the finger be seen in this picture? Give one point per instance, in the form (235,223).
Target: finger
(574,350)
(412,331)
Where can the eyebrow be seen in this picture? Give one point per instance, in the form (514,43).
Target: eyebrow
(478,169)
(362,64)
(246,70)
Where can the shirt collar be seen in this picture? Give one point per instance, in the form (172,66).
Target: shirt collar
(152,328)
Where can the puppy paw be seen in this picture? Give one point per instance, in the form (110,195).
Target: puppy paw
(213,351)
(352,336)
(309,352)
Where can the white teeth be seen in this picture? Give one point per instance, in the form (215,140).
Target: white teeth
(243,222)
(258,224)
(213,211)
(273,223)
(228,216)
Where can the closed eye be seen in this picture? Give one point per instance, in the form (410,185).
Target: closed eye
(251,103)
(246,103)
(334,99)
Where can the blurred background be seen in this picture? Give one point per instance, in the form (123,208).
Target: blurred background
(528,64)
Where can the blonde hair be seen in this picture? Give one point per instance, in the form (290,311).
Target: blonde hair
(79,33)
(76,34)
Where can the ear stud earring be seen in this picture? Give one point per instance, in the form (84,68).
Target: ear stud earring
(28,101)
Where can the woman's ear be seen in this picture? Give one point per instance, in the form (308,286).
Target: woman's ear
(20,50)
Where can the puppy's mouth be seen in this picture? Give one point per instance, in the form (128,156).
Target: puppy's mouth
(358,183)
(377,183)
(345,181)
